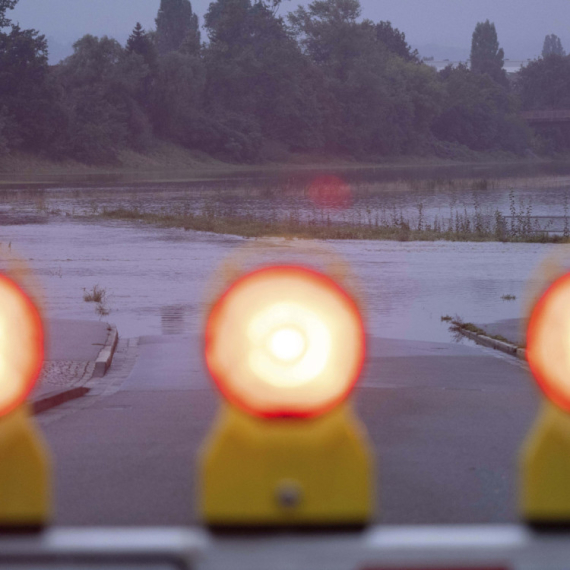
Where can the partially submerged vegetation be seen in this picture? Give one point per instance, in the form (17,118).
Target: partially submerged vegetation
(313,217)
(463,227)
(310,206)
(97,295)
(457,327)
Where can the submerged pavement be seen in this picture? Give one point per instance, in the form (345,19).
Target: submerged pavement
(446,421)
(71,346)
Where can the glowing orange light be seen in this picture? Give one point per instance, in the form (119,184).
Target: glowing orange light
(285,341)
(548,342)
(21,345)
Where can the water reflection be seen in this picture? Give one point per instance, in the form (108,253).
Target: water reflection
(172,319)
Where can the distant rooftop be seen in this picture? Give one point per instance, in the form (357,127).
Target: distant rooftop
(511,65)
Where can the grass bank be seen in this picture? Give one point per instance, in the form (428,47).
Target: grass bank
(463,228)
(167,162)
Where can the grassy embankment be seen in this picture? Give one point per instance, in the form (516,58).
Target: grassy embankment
(167,162)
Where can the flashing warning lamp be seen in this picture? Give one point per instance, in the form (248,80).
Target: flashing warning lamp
(285,345)
(545,459)
(24,466)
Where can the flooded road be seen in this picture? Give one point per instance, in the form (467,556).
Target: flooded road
(159,281)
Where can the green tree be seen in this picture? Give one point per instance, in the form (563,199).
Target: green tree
(545,84)
(99,83)
(177,27)
(29,108)
(4,148)
(26,96)
(141,43)
(6,5)
(329,31)
(177,97)
(226,21)
(395,42)
(378,102)
(552,46)
(479,113)
(486,55)
(259,86)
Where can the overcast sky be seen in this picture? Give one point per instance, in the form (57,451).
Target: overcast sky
(441,28)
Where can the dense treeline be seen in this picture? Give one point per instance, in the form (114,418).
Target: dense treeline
(257,87)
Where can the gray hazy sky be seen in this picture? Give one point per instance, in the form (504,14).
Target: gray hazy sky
(441,28)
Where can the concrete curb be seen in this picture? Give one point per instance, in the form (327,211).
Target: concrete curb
(105,357)
(489,342)
(52,400)
(95,369)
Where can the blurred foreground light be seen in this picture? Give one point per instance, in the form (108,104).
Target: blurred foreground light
(21,346)
(285,345)
(285,341)
(545,457)
(548,342)
(25,472)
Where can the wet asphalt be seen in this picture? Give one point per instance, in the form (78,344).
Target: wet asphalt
(446,422)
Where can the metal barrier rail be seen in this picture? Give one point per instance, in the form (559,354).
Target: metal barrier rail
(378,548)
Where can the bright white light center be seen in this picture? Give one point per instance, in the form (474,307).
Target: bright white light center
(287,344)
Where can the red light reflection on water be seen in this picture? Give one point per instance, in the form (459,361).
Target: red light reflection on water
(330,192)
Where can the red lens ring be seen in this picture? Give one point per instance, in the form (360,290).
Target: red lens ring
(34,315)
(550,389)
(288,270)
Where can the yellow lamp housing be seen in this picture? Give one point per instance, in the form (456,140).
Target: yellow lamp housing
(25,474)
(545,497)
(25,501)
(285,345)
(545,458)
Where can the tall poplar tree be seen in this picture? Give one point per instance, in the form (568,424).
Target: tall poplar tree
(177,27)
(552,46)
(486,55)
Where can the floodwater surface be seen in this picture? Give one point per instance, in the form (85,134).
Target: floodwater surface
(367,197)
(160,281)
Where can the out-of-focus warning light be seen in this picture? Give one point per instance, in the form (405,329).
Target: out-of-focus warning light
(24,464)
(285,341)
(286,345)
(545,460)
